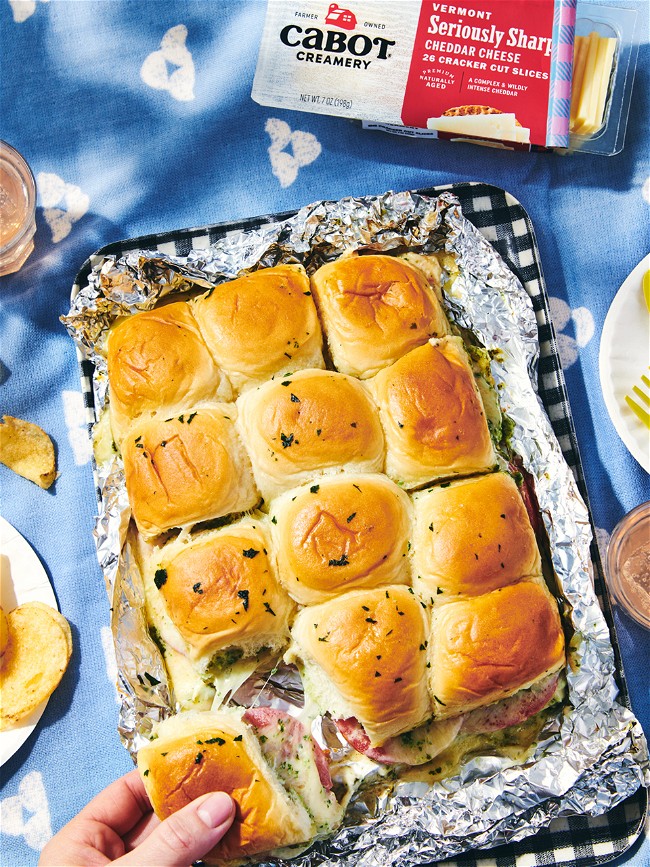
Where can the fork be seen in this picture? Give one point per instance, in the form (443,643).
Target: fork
(638,410)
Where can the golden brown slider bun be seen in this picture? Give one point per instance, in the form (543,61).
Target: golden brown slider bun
(471,537)
(185,469)
(340,533)
(374,309)
(313,420)
(432,415)
(195,753)
(157,360)
(220,591)
(363,655)
(262,324)
(488,647)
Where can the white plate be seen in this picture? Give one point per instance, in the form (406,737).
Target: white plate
(22,579)
(624,356)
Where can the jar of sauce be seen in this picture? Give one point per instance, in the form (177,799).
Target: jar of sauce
(628,564)
(17,210)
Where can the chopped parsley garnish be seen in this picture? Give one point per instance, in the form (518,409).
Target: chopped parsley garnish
(370,620)
(197,587)
(286,440)
(351,517)
(318,431)
(342,562)
(294,399)
(243,594)
(238,738)
(160,577)
(190,417)
(219,741)
(314,489)
(439,702)
(286,382)
(250,553)
(269,609)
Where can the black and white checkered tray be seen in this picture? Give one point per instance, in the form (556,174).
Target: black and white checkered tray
(579,841)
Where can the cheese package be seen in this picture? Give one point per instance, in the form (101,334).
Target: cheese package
(501,73)
(604,62)
(480,70)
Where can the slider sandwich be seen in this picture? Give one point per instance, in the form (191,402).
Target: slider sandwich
(496,658)
(376,308)
(159,362)
(470,537)
(265,759)
(261,325)
(363,659)
(339,533)
(312,421)
(189,468)
(214,598)
(432,415)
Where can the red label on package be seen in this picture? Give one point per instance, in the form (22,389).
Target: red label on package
(482,69)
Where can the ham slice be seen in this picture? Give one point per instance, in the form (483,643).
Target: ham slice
(283,740)
(511,711)
(411,748)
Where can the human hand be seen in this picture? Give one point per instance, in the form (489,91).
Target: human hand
(118,826)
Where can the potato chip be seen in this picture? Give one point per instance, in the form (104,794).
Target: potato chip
(27,450)
(4,632)
(39,649)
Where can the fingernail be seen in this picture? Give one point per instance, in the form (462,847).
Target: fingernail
(216,809)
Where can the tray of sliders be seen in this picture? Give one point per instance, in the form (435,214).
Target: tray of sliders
(348,554)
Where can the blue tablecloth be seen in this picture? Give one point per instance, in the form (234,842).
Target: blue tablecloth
(136,117)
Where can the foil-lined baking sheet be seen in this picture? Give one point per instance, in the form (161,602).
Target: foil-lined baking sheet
(590,757)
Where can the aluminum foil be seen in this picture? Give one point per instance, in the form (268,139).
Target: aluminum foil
(586,761)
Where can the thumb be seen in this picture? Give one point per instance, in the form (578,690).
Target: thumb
(186,835)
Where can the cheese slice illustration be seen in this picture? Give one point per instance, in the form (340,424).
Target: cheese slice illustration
(502,127)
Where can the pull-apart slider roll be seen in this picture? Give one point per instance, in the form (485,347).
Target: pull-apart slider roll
(340,533)
(487,648)
(312,421)
(261,324)
(159,362)
(471,537)
(264,759)
(186,469)
(220,591)
(363,655)
(374,309)
(432,415)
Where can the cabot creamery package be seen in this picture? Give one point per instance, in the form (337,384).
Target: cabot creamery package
(496,71)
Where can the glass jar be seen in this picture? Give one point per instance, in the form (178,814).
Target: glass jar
(628,564)
(17,210)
